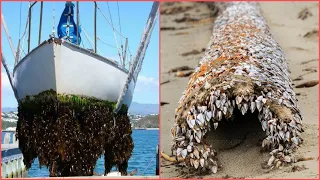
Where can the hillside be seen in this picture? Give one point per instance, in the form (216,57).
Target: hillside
(149,121)
(6,124)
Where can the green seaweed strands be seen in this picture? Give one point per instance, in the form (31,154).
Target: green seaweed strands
(76,101)
(68,133)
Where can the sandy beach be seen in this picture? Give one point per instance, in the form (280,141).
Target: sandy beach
(295,27)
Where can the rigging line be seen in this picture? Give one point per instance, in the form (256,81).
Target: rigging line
(90,41)
(129,50)
(109,22)
(130,55)
(114,34)
(120,29)
(22,50)
(149,164)
(18,47)
(130,59)
(21,47)
(106,43)
(86,35)
(119,19)
(23,36)
(10,76)
(23,40)
(20,20)
(53,20)
(88,44)
(4,24)
(83,44)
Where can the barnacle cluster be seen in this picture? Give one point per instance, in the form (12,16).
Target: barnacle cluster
(243,69)
(68,133)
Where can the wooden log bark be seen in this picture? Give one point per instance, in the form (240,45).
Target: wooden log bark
(243,68)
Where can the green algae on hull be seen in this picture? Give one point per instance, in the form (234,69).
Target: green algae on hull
(76,101)
(68,133)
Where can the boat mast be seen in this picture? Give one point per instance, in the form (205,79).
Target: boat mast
(135,68)
(8,35)
(29,36)
(77,22)
(40,24)
(95,27)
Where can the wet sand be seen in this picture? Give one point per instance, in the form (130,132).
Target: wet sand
(182,44)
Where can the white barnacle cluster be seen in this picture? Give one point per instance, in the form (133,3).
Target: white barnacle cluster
(243,68)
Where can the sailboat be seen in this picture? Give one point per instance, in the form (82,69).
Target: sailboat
(62,65)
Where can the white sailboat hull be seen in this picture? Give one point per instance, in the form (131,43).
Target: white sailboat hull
(69,69)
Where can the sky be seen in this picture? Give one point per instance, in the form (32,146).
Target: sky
(133,17)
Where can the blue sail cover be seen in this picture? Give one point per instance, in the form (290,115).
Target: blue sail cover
(67,28)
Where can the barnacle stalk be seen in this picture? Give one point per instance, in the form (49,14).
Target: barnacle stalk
(243,68)
(69,133)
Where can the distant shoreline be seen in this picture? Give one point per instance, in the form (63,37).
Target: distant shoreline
(145,128)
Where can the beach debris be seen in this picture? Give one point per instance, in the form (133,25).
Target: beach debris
(163,103)
(172,28)
(171,159)
(297,168)
(311,70)
(165,82)
(242,68)
(180,68)
(308,84)
(183,74)
(304,14)
(305,159)
(167,28)
(69,133)
(305,62)
(193,52)
(299,78)
(186,19)
(175,10)
(299,48)
(181,33)
(311,34)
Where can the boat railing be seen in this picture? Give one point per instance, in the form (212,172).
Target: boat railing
(12,158)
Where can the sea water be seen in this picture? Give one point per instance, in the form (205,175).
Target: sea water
(143,157)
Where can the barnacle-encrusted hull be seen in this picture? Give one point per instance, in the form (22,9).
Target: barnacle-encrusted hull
(243,68)
(69,133)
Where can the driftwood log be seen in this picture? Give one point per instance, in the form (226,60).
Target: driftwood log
(243,69)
